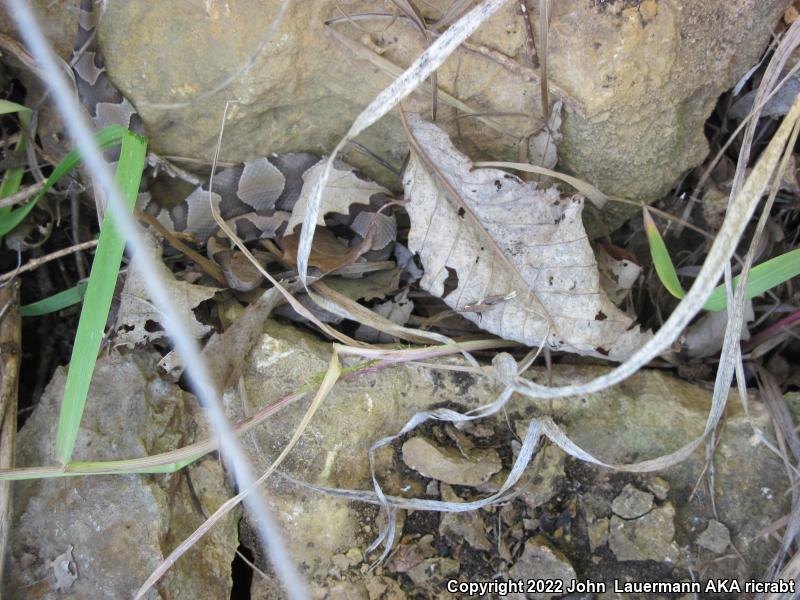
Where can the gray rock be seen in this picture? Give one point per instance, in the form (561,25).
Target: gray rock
(431,573)
(632,503)
(448,465)
(651,537)
(641,79)
(545,477)
(597,529)
(345,591)
(716,537)
(432,489)
(659,486)
(384,588)
(660,413)
(343,562)
(621,59)
(411,552)
(540,560)
(463,526)
(120,527)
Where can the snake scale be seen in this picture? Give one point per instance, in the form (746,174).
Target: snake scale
(255,198)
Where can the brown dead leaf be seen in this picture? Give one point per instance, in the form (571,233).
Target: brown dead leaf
(140,322)
(500,235)
(327,252)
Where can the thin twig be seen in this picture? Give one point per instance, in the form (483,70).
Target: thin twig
(11,341)
(38,262)
(22,195)
(523,9)
(544,26)
(211,268)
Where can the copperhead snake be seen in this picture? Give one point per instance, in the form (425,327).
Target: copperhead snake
(255,198)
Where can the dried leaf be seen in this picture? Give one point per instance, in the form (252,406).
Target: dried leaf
(225,354)
(344,188)
(500,235)
(705,336)
(617,274)
(397,310)
(139,321)
(327,253)
(65,576)
(543,147)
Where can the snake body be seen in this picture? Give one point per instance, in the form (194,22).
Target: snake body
(255,198)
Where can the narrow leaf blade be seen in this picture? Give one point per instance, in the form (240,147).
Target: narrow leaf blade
(6,107)
(102,281)
(107,137)
(56,302)
(661,258)
(12,178)
(762,277)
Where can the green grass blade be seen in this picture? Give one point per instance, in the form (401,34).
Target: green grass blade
(56,302)
(762,277)
(661,258)
(106,138)
(80,469)
(12,178)
(99,292)
(6,107)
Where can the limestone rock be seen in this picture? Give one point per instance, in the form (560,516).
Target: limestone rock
(597,528)
(650,414)
(411,552)
(659,486)
(545,476)
(120,527)
(463,527)
(384,588)
(431,573)
(449,466)
(716,537)
(632,503)
(650,537)
(540,560)
(640,78)
(649,74)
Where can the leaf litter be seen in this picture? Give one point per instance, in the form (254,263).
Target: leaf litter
(503,236)
(524,267)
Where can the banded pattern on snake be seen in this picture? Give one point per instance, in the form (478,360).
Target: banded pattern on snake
(255,198)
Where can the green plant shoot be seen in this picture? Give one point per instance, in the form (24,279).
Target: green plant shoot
(99,292)
(763,276)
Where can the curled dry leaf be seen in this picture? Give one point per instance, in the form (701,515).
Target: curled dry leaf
(63,572)
(397,310)
(543,147)
(618,273)
(343,189)
(327,253)
(140,322)
(498,236)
